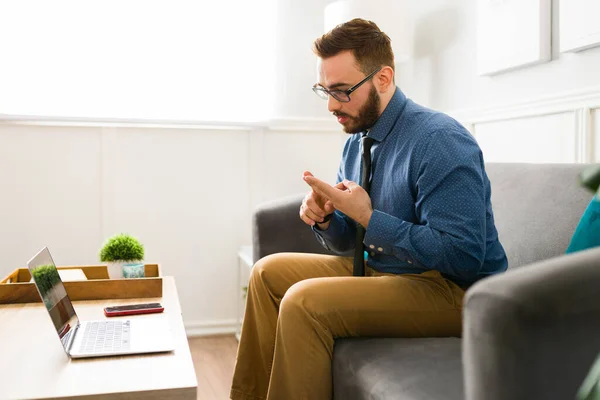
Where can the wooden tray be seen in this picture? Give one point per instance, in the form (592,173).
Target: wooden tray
(97,287)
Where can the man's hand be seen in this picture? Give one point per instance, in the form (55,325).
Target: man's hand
(315,206)
(347,196)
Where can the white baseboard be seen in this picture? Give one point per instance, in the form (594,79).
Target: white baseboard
(206,328)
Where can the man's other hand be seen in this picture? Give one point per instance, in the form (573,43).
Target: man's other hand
(315,207)
(347,196)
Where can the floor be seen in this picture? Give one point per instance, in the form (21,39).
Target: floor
(214,359)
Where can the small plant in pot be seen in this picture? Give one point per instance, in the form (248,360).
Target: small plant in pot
(124,255)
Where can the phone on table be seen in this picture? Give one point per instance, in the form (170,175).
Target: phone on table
(133,309)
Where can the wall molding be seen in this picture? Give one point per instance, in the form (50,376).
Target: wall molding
(547,105)
(214,327)
(584,135)
(580,104)
(289,124)
(41,120)
(304,124)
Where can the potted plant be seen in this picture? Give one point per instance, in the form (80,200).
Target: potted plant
(120,252)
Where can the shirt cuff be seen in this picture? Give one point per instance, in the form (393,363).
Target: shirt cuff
(328,236)
(382,236)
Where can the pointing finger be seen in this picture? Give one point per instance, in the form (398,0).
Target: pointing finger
(321,187)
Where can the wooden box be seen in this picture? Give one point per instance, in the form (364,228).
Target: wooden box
(16,288)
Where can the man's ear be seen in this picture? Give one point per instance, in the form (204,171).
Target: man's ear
(385,79)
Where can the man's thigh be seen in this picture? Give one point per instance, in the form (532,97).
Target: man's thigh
(414,305)
(282,270)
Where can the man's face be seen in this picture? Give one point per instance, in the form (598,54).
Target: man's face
(341,72)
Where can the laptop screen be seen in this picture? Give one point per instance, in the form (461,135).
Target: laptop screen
(53,294)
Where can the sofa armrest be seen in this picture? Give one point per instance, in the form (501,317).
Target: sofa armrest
(277,228)
(533,332)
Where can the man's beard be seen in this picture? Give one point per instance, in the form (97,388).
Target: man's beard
(367,115)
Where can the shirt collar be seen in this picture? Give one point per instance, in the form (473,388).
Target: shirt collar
(388,118)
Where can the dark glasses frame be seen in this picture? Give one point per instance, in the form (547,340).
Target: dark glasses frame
(342,96)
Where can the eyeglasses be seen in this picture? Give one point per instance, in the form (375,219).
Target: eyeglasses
(343,96)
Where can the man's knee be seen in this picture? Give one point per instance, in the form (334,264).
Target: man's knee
(302,298)
(268,267)
(261,267)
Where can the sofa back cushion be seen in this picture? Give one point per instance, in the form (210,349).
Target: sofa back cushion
(536,208)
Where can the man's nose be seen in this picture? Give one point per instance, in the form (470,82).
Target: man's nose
(333,104)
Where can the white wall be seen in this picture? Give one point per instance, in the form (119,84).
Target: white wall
(443,74)
(186,192)
(50,185)
(299,24)
(540,113)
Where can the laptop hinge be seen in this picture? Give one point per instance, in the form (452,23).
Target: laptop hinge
(72,338)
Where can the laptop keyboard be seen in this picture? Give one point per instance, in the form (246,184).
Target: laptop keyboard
(105,337)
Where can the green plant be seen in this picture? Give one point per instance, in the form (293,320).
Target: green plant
(122,247)
(590,178)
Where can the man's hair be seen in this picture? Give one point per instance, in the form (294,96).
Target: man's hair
(370,46)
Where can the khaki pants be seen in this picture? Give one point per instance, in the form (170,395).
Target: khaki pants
(298,304)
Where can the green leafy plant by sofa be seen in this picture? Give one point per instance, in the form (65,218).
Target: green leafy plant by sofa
(122,247)
(590,178)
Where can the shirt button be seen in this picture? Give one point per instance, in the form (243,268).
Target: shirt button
(372,246)
(380,249)
(408,261)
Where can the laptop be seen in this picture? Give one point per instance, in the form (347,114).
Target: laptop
(109,337)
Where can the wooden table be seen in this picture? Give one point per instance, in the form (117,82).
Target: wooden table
(33,363)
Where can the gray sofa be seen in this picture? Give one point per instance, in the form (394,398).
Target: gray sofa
(529,333)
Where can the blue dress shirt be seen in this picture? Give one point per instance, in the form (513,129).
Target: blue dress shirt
(430,196)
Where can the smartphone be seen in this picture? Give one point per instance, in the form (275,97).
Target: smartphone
(133,309)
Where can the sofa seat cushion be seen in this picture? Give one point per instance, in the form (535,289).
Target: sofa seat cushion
(392,368)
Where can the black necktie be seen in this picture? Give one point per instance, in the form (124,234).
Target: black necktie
(365,182)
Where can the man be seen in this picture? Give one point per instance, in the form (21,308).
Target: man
(429,231)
